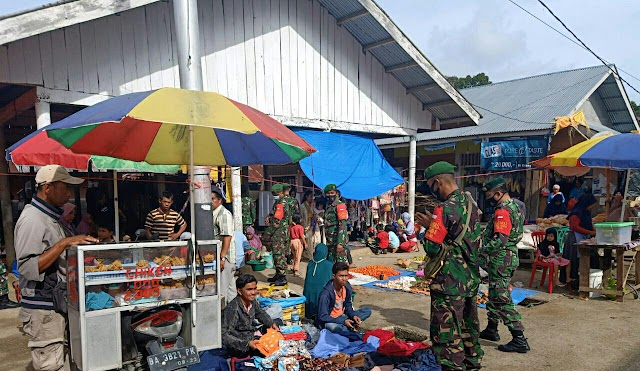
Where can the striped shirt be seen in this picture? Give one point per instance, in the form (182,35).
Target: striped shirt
(163,224)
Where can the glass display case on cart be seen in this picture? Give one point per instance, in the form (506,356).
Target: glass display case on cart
(108,283)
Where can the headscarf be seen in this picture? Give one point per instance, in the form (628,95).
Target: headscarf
(84,227)
(543,246)
(66,210)
(556,206)
(318,274)
(69,229)
(408,224)
(254,242)
(581,211)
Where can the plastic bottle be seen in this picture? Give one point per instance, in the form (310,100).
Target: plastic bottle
(295,316)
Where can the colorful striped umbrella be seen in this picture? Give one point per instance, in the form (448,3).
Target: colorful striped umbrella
(614,151)
(156,127)
(37,149)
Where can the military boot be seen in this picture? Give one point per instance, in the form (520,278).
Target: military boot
(517,344)
(274,278)
(5,303)
(282,280)
(491,332)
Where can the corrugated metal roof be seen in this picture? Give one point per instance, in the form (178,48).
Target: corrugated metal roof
(369,29)
(531,104)
(371,25)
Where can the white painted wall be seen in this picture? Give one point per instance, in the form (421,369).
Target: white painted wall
(287,58)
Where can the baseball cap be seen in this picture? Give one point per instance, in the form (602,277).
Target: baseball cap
(55,173)
(218,191)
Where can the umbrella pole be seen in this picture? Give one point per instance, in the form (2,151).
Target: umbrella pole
(606,172)
(192,206)
(624,199)
(116,206)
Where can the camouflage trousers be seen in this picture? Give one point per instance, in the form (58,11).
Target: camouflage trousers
(4,282)
(500,305)
(454,331)
(336,256)
(280,251)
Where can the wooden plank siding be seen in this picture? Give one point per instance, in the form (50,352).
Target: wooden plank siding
(287,58)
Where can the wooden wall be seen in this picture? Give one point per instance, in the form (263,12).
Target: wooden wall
(287,58)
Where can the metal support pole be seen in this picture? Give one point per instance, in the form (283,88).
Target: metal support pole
(412,175)
(236,198)
(185,16)
(116,205)
(43,113)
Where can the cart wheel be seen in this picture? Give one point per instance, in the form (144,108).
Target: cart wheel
(631,290)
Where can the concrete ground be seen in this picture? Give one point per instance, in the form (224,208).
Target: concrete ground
(565,333)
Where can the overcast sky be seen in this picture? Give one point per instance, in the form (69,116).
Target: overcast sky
(464,37)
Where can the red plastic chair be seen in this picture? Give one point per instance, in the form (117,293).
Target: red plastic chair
(537,262)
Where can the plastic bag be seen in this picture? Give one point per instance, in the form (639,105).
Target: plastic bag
(313,333)
(274,311)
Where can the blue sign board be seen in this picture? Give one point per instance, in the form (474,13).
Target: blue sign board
(512,154)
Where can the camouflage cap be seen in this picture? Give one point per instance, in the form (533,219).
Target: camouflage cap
(330,187)
(493,184)
(276,188)
(440,167)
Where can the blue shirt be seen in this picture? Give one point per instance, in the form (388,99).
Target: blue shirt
(551,196)
(394,241)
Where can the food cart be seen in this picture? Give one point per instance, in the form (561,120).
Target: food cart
(109,282)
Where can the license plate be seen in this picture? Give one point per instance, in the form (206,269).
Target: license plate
(173,359)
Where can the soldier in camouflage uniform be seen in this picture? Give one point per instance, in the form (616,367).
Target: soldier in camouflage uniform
(5,303)
(335,224)
(291,202)
(248,213)
(500,257)
(278,231)
(454,321)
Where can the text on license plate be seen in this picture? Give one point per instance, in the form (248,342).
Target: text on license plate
(173,359)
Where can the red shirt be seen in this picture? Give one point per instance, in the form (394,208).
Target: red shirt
(384,239)
(296,232)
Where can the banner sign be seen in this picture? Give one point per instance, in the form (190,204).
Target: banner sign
(512,154)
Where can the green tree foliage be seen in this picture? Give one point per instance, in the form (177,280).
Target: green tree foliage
(469,81)
(636,108)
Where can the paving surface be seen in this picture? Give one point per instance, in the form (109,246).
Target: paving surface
(565,333)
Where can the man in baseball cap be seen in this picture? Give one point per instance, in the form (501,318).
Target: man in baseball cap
(40,247)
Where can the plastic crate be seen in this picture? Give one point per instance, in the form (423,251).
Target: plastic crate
(613,233)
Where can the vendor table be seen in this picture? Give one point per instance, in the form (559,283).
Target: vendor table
(622,274)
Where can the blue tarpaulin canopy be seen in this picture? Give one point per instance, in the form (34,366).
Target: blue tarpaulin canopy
(354,164)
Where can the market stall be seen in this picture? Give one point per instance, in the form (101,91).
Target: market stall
(164,126)
(610,152)
(109,285)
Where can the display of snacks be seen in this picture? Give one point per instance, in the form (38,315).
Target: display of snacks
(376,271)
(142,264)
(170,261)
(554,221)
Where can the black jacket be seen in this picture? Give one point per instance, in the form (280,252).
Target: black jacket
(238,326)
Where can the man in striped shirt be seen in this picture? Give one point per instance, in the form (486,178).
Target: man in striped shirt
(163,220)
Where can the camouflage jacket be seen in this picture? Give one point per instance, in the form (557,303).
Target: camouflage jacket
(504,230)
(278,229)
(248,211)
(336,230)
(459,275)
(293,205)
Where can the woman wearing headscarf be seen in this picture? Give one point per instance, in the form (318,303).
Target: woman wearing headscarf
(255,245)
(580,222)
(408,235)
(318,274)
(556,206)
(66,219)
(580,227)
(86,225)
